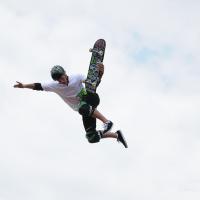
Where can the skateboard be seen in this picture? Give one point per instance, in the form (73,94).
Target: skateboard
(93,76)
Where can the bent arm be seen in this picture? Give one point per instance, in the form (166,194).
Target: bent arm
(33,86)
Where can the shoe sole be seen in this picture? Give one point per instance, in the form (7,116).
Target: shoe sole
(123,141)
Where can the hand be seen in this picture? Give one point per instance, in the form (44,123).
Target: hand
(19,85)
(101,69)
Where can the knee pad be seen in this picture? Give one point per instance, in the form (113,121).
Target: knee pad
(92,99)
(85,110)
(93,136)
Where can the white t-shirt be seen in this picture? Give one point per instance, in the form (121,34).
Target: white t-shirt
(67,92)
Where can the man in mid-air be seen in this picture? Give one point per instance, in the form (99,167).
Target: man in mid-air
(71,89)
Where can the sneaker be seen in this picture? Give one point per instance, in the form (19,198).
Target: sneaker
(107,126)
(121,138)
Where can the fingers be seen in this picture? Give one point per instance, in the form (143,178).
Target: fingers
(101,69)
(18,85)
(100,66)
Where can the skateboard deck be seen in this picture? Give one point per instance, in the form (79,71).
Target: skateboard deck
(93,77)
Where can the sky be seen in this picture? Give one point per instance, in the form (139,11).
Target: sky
(150,90)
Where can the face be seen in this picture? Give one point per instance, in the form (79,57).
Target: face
(63,79)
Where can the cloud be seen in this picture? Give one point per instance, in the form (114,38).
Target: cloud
(150,90)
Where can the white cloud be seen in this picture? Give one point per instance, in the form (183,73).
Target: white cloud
(44,153)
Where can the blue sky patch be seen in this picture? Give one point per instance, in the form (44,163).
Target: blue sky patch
(144,55)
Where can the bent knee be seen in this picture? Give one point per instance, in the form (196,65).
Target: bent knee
(93,136)
(85,110)
(92,99)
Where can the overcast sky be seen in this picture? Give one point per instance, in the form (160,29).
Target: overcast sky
(150,90)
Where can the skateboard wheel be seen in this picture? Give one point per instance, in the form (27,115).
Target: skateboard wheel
(100,53)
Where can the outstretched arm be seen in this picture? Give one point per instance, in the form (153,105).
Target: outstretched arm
(33,86)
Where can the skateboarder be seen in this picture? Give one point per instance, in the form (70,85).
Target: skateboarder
(71,89)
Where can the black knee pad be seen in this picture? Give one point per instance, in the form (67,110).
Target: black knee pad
(92,99)
(85,110)
(93,136)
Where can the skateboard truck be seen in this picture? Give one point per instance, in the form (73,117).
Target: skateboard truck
(100,53)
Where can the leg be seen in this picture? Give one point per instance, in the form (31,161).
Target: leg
(93,100)
(107,123)
(89,123)
(92,135)
(98,115)
(117,135)
(110,135)
(88,110)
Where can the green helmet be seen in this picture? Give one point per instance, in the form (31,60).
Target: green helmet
(56,72)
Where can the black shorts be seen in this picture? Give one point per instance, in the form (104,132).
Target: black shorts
(93,101)
(89,123)
(90,102)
